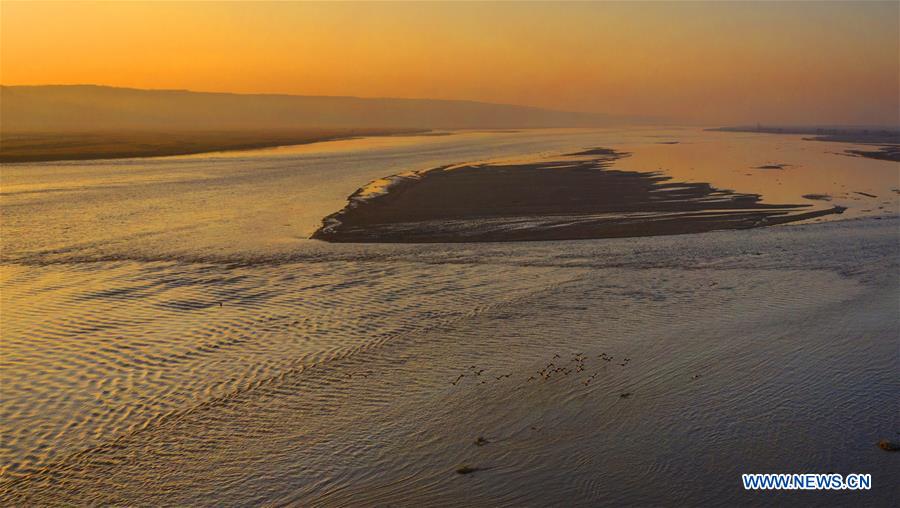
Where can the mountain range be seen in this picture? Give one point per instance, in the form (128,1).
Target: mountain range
(67,108)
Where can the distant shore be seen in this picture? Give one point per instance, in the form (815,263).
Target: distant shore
(887,139)
(572,196)
(55,146)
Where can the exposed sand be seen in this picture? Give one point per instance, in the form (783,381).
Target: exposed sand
(56,146)
(888,153)
(572,196)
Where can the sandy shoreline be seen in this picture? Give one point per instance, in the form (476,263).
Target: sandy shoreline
(44,147)
(568,197)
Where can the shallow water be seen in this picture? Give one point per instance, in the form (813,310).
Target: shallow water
(170,337)
(262,204)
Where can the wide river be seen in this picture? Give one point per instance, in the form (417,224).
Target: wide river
(171,337)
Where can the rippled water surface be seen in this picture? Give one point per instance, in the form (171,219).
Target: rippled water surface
(169,336)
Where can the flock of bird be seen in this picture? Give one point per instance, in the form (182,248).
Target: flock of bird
(475,371)
(556,367)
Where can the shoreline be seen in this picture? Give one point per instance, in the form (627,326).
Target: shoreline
(82,146)
(570,197)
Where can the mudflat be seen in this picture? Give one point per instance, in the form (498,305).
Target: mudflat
(56,146)
(570,196)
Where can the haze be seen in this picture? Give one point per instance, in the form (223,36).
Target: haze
(787,62)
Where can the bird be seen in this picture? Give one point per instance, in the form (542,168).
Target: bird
(457,379)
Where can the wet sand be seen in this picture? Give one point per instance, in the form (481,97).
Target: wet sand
(57,146)
(887,153)
(567,197)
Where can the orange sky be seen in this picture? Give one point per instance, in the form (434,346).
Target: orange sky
(788,62)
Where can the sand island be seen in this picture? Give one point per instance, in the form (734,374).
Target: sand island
(566,197)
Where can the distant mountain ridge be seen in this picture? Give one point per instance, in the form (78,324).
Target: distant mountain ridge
(97,108)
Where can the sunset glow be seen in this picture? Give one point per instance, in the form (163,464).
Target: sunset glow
(791,62)
(415,253)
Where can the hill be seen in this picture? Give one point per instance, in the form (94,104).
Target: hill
(68,108)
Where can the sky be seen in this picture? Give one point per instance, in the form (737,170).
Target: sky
(694,62)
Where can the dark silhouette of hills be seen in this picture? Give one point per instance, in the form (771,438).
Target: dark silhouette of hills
(67,108)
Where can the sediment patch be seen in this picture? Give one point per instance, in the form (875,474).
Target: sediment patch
(572,196)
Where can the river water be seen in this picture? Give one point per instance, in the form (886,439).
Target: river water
(170,335)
